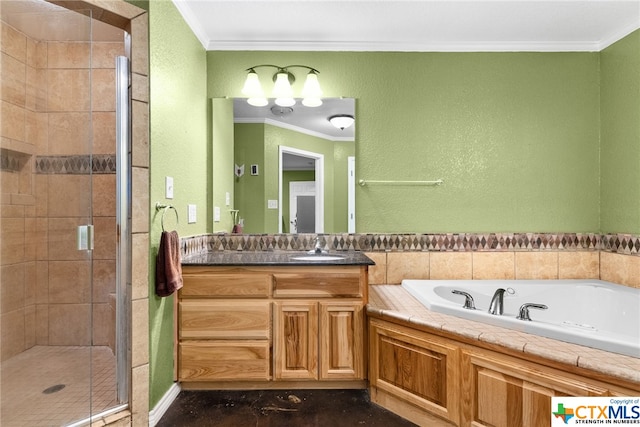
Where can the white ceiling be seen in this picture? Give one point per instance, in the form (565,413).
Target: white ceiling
(413,25)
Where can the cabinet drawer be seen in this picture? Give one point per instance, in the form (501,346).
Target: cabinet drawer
(200,283)
(224,360)
(233,319)
(306,284)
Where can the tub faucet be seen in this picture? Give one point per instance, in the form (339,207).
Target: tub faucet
(524,310)
(497,302)
(468,303)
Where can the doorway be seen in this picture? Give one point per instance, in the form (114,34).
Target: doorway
(315,163)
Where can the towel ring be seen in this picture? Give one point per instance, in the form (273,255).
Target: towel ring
(166,208)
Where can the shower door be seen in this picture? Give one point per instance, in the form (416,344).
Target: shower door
(59,235)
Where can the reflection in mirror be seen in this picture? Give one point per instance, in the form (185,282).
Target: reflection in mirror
(301,163)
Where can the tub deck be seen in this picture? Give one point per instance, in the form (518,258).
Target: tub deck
(393,302)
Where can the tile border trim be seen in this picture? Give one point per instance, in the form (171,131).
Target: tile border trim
(82,164)
(440,242)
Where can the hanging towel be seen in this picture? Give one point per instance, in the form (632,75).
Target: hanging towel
(168,264)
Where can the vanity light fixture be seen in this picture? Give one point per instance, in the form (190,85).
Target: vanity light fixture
(341,121)
(282,90)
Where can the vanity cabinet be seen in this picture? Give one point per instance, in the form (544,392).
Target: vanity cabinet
(271,325)
(435,380)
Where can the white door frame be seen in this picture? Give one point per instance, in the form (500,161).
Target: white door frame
(351,194)
(319,172)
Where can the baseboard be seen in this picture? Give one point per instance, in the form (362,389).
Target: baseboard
(161,407)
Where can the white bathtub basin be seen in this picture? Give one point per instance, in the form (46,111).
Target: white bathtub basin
(592,313)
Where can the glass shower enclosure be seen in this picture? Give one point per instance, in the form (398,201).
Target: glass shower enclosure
(63,300)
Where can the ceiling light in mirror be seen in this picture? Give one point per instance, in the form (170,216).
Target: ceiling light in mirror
(341,121)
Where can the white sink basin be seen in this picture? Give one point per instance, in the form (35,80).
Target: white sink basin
(317,258)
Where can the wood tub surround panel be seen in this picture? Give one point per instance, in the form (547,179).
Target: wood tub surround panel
(421,375)
(509,392)
(406,366)
(272,326)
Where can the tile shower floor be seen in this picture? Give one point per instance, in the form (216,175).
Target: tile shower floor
(32,392)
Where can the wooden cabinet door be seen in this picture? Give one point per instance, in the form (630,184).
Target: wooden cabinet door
(296,340)
(341,340)
(502,392)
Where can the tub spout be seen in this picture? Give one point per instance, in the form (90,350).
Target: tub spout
(497,302)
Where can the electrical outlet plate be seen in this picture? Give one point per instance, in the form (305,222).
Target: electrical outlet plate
(216,214)
(272,204)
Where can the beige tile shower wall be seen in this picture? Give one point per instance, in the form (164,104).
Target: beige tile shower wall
(393,267)
(46,111)
(18,225)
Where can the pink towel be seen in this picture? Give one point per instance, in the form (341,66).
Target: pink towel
(168,264)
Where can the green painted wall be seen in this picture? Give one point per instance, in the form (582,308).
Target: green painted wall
(179,147)
(222,146)
(259,144)
(620,136)
(341,151)
(249,189)
(515,136)
(275,137)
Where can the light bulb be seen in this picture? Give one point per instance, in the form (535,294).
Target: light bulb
(282,87)
(252,87)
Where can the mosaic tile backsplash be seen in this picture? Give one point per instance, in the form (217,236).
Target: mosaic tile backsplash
(447,242)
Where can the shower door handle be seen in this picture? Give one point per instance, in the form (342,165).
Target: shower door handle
(85,237)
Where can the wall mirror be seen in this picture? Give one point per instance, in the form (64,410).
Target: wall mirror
(294,169)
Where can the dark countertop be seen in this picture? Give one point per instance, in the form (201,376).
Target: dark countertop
(275,258)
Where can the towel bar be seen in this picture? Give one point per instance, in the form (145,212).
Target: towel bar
(166,208)
(364,182)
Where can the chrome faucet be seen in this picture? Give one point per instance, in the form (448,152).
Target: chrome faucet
(468,303)
(317,248)
(497,302)
(524,310)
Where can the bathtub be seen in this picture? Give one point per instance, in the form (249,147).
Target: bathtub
(592,313)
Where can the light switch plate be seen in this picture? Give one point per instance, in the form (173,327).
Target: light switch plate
(216,214)
(192,214)
(272,204)
(227,198)
(168,187)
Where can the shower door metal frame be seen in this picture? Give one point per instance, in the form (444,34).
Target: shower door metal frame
(123,228)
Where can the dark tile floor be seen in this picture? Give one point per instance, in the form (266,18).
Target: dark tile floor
(271,408)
